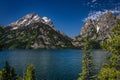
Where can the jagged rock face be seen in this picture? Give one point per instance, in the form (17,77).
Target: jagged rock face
(47,21)
(105,24)
(34,32)
(88,29)
(28,20)
(101,28)
(25,21)
(118,17)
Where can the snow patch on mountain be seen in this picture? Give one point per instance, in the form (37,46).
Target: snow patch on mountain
(30,19)
(26,20)
(98,28)
(47,21)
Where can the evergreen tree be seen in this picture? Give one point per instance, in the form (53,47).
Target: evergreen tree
(13,73)
(30,73)
(19,78)
(8,73)
(88,68)
(7,67)
(111,69)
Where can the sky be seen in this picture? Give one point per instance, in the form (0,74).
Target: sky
(68,16)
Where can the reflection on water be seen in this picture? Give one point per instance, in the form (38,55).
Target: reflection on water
(49,64)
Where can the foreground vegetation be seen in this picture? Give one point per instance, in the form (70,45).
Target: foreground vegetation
(9,73)
(88,68)
(111,68)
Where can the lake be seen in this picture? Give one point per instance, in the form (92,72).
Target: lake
(49,64)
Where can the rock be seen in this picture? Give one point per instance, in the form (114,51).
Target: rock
(33,32)
(99,29)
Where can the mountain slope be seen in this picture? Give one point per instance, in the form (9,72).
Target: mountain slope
(97,30)
(34,32)
(101,28)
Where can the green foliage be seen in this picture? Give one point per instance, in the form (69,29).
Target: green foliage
(88,68)
(8,73)
(0,75)
(95,44)
(30,73)
(108,73)
(19,78)
(25,37)
(111,69)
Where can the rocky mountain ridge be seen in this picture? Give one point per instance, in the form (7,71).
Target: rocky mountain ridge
(30,19)
(99,29)
(33,32)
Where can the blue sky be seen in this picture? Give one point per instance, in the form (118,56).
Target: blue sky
(68,16)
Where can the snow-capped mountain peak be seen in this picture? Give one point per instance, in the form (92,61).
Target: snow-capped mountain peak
(47,21)
(26,20)
(30,19)
(33,16)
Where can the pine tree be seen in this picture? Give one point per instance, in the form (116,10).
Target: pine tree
(111,69)
(30,73)
(88,68)
(13,73)
(8,73)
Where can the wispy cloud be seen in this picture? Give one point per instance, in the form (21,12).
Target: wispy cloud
(94,15)
(94,1)
(102,3)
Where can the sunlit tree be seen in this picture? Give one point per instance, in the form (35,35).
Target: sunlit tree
(30,73)
(88,68)
(111,69)
(8,73)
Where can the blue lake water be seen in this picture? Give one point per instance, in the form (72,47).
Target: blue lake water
(49,64)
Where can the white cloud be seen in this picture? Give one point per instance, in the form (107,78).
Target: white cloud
(94,15)
(94,1)
(115,11)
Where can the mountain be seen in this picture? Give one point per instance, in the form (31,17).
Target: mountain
(101,28)
(1,34)
(118,17)
(33,32)
(97,30)
(28,20)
